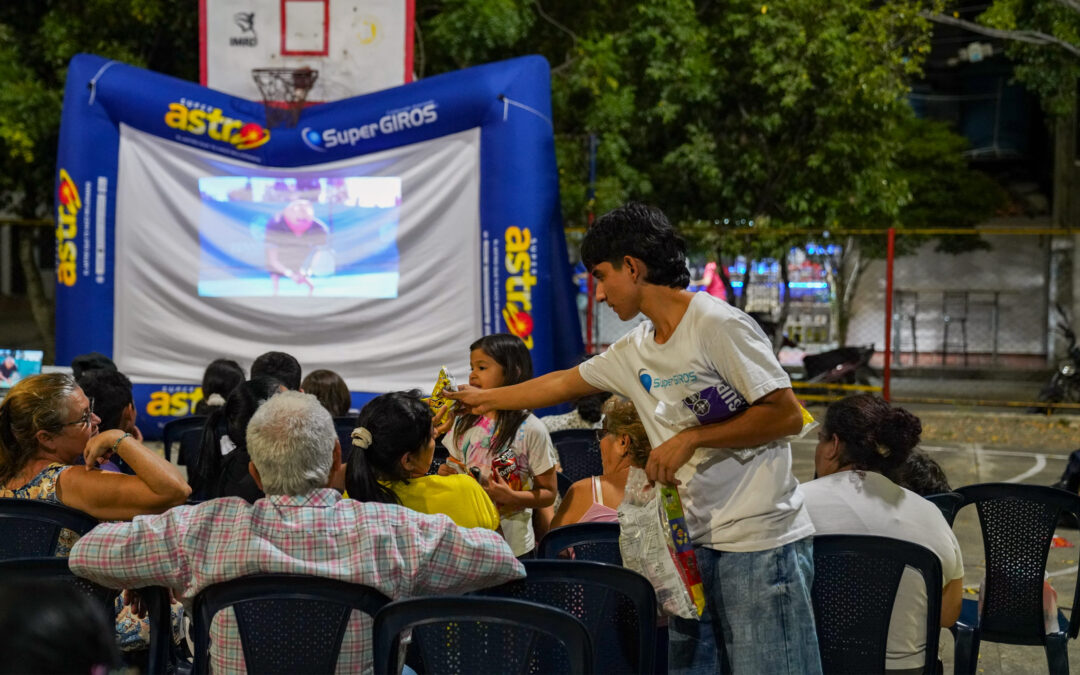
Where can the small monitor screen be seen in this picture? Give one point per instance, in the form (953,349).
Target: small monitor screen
(299,236)
(16,364)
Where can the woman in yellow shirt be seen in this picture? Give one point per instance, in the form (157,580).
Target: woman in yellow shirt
(392,449)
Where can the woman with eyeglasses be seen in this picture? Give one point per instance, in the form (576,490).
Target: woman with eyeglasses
(623,443)
(46,423)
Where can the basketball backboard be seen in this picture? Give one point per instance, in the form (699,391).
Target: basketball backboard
(358,46)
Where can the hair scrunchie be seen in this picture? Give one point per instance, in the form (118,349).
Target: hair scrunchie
(361,438)
(215,400)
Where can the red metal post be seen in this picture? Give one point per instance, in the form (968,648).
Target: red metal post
(887,370)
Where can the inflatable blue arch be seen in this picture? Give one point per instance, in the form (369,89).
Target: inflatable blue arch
(466,250)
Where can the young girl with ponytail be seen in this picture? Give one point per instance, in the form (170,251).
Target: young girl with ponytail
(393,445)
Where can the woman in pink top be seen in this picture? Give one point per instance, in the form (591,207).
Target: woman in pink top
(623,444)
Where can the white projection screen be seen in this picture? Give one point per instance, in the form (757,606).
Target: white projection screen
(422,313)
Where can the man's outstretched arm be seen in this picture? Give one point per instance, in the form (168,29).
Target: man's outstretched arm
(539,392)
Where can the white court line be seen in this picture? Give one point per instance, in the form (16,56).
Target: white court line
(1040,464)
(969,447)
(1061,573)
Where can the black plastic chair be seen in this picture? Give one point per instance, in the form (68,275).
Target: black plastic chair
(618,606)
(287,623)
(30,528)
(855,582)
(481,635)
(594,542)
(154,598)
(190,447)
(563,483)
(173,429)
(949,503)
(1018,523)
(344,426)
(579,453)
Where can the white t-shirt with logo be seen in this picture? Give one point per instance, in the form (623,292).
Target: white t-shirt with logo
(715,364)
(854,502)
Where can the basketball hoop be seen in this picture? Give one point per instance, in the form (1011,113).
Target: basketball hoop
(284,91)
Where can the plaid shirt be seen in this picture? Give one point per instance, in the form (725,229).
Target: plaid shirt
(398,551)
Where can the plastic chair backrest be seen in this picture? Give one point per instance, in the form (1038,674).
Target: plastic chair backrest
(172,430)
(482,635)
(287,623)
(344,426)
(1018,523)
(949,503)
(563,483)
(856,578)
(617,605)
(30,528)
(155,599)
(190,448)
(579,453)
(595,542)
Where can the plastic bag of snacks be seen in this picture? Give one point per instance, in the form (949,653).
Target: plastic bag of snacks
(655,543)
(437,400)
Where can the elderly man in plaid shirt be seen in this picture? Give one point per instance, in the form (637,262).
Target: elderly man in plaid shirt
(300,527)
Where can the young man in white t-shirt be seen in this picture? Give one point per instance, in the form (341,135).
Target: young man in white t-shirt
(716,405)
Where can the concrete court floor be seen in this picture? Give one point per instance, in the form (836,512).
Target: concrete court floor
(968,463)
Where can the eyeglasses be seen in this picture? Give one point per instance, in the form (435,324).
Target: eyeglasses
(601,433)
(84,419)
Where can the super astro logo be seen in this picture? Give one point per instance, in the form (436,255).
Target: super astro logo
(200,119)
(517,312)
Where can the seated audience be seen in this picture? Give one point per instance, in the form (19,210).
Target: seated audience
(52,626)
(110,390)
(84,363)
(920,474)
(46,423)
(623,443)
(218,381)
(280,366)
(301,527)
(330,389)
(586,414)
(222,469)
(393,444)
(862,439)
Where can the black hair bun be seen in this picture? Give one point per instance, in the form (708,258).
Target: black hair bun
(901,432)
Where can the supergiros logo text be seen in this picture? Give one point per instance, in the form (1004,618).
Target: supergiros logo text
(517,312)
(67,226)
(200,119)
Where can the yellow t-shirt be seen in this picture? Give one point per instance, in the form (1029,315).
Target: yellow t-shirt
(458,496)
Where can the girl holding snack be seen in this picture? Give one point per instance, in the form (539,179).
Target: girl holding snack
(508,451)
(392,448)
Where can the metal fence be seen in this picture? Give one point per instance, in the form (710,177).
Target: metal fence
(973,317)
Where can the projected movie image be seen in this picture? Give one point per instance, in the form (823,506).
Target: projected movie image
(299,236)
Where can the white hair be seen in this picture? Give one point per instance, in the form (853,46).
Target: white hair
(290,438)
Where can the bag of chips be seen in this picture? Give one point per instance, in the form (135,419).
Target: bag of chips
(437,400)
(655,543)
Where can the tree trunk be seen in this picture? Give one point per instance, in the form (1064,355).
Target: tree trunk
(40,306)
(745,284)
(721,269)
(785,303)
(843,276)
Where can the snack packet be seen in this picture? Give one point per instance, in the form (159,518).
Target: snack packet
(437,400)
(655,543)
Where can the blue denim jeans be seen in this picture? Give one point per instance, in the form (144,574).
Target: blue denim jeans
(758,616)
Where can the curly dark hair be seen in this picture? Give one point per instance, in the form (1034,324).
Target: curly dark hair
(641,232)
(876,436)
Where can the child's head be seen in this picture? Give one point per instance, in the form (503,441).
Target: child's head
(641,232)
(330,389)
(499,360)
(393,441)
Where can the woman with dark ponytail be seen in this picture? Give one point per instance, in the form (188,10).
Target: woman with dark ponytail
(222,469)
(393,445)
(862,438)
